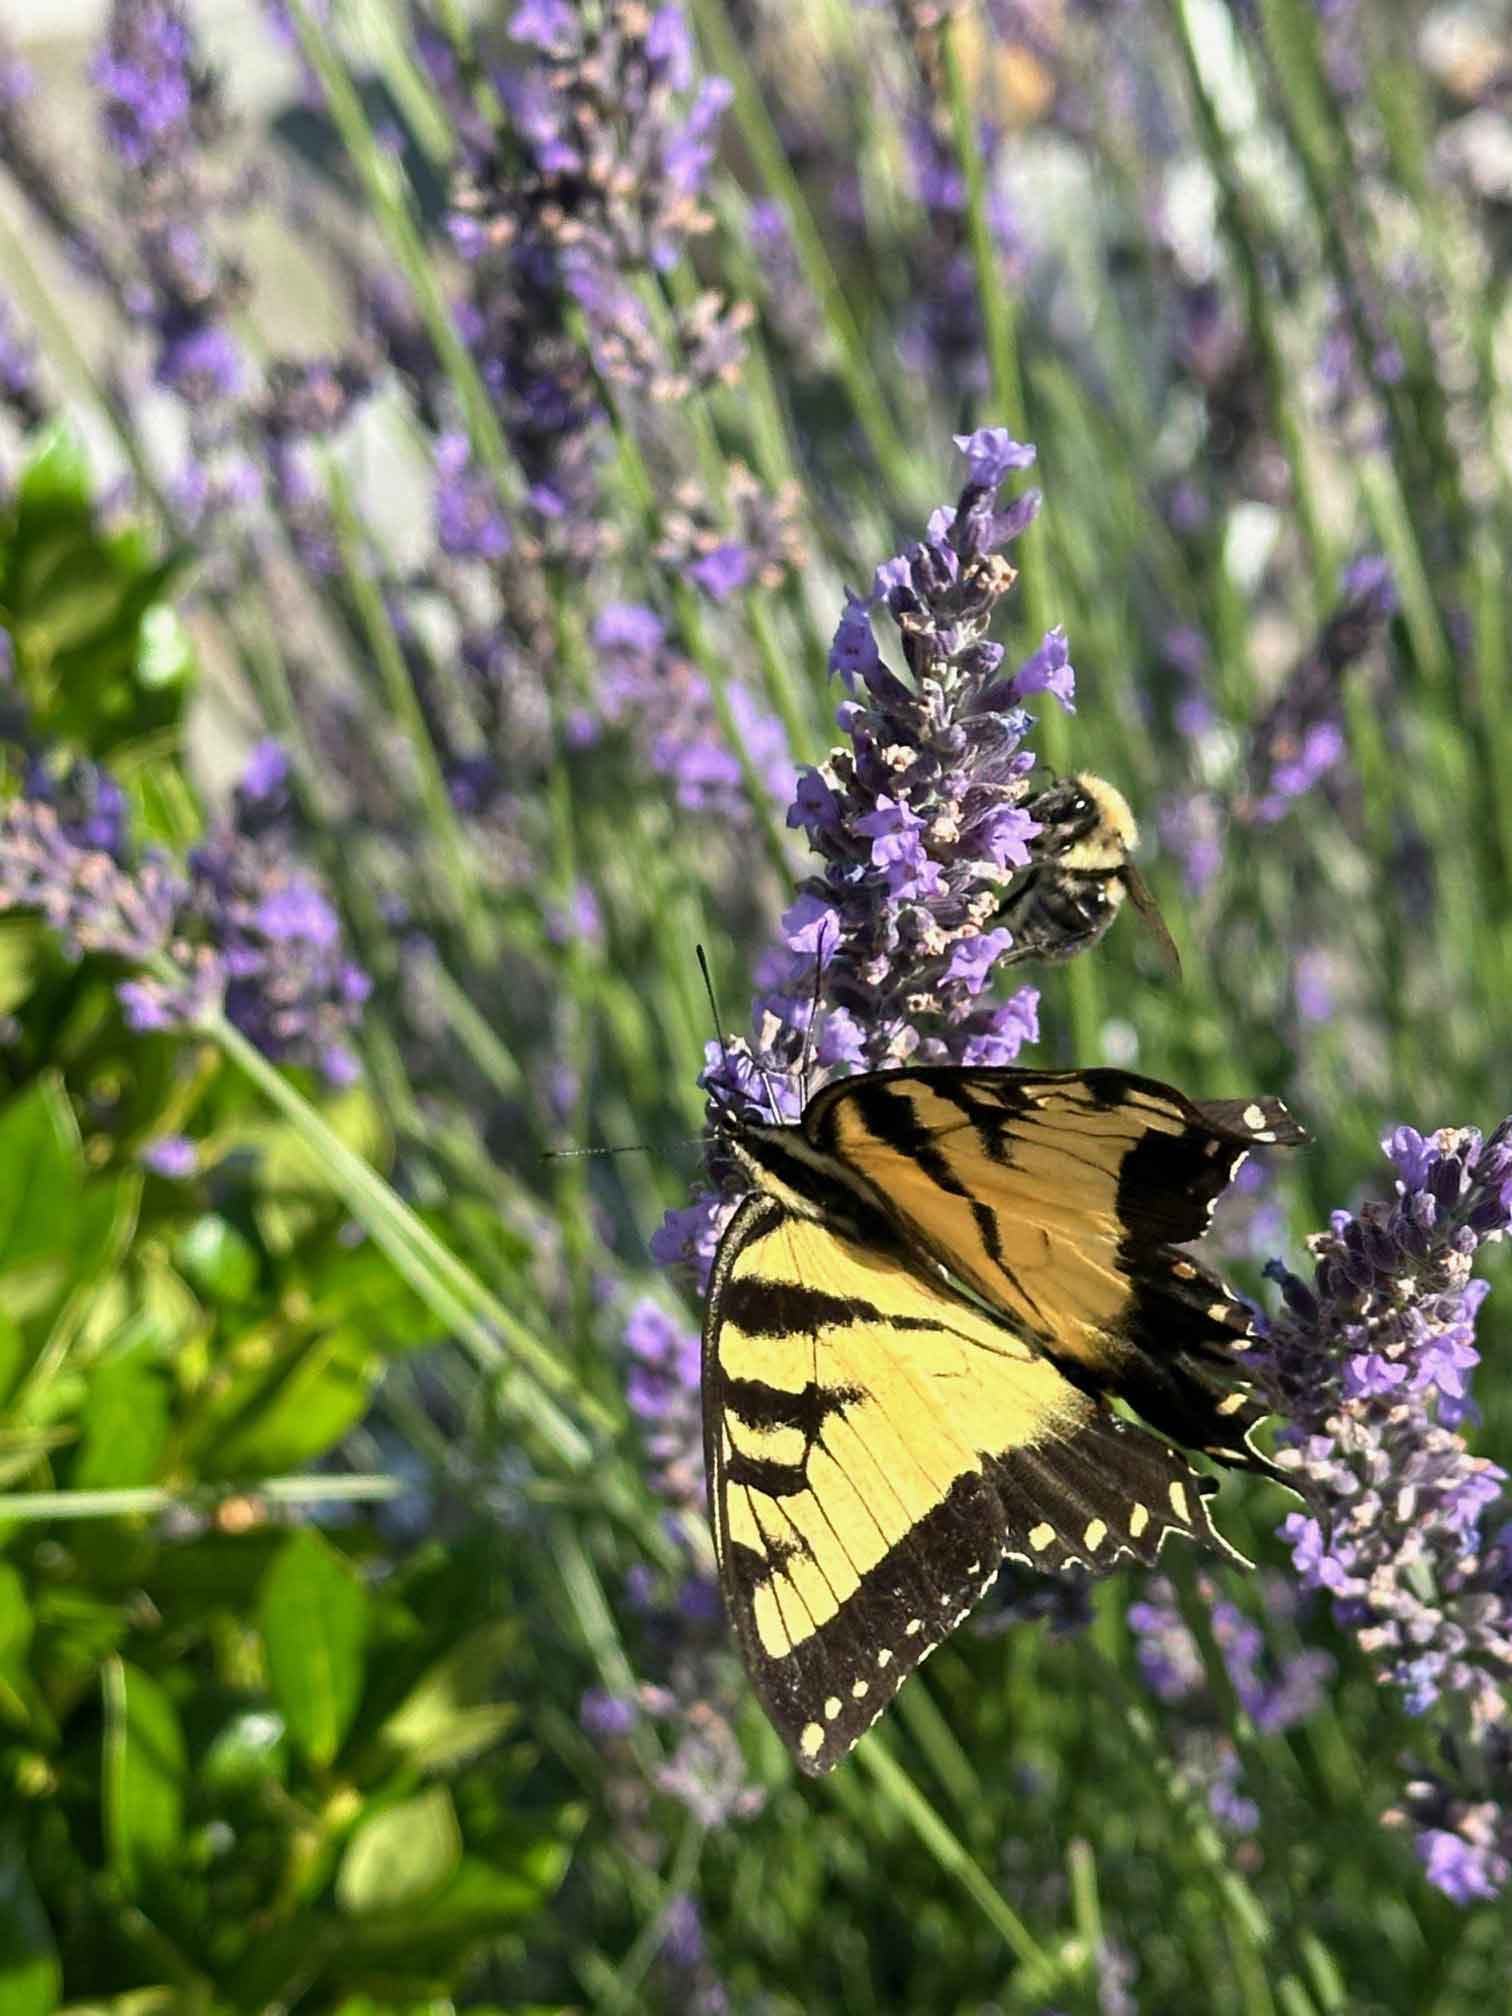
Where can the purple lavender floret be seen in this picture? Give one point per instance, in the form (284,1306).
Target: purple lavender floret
(150,84)
(1275,1694)
(469,519)
(662,1387)
(598,178)
(173,1156)
(918,822)
(246,927)
(289,985)
(1370,1363)
(92,901)
(20,393)
(655,693)
(1301,740)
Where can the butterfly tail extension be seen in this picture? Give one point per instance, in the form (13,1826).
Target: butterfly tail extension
(1186,1325)
(1183,1375)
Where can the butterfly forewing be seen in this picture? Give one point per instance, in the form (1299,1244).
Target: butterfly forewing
(1061,1199)
(876,1444)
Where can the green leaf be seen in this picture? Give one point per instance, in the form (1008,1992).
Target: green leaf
(12,1355)
(400,1855)
(144,1773)
(480,1899)
(314,1618)
(288,1415)
(57,474)
(125,1423)
(217,1259)
(25,948)
(31,1978)
(293,1194)
(246,1750)
(164,656)
(57,1229)
(44,1172)
(17,1626)
(454,1712)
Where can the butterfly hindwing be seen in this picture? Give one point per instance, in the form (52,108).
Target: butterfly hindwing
(876,1444)
(1061,1198)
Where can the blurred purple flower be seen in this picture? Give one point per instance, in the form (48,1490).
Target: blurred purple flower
(662,1387)
(469,518)
(1301,740)
(199,361)
(1369,1363)
(173,1156)
(245,925)
(149,82)
(606,1716)
(20,393)
(665,703)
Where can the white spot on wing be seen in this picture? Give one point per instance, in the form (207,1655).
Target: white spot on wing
(832,1707)
(1254,1118)
(1139,1518)
(860,1689)
(1179,1502)
(1041,1536)
(1096,1533)
(811,1742)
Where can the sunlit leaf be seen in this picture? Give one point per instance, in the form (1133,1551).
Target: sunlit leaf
(125,1422)
(314,1618)
(400,1855)
(217,1259)
(144,1775)
(454,1711)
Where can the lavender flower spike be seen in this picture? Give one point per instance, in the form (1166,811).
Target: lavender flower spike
(918,821)
(1370,1362)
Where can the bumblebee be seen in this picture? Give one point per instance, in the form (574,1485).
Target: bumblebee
(1083,869)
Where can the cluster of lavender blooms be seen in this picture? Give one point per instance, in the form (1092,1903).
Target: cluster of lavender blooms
(694,1700)
(944,332)
(1301,739)
(243,927)
(650,688)
(1370,1364)
(1294,748)
(1276,1694)
(760,547)
(597,181)
(918,820)
(163,114)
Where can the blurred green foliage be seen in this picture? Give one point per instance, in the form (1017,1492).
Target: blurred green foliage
(236,1770)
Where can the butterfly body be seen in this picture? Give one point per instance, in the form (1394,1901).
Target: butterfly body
(916,1322)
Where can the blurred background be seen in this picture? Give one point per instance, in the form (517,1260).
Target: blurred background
(436,447)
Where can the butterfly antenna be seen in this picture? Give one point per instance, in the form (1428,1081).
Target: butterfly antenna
(808,1034)
(628,1148)
(772,1099)
(708,980)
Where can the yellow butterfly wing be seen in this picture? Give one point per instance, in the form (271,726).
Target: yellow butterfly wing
(876,1445)
(1061,1198)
